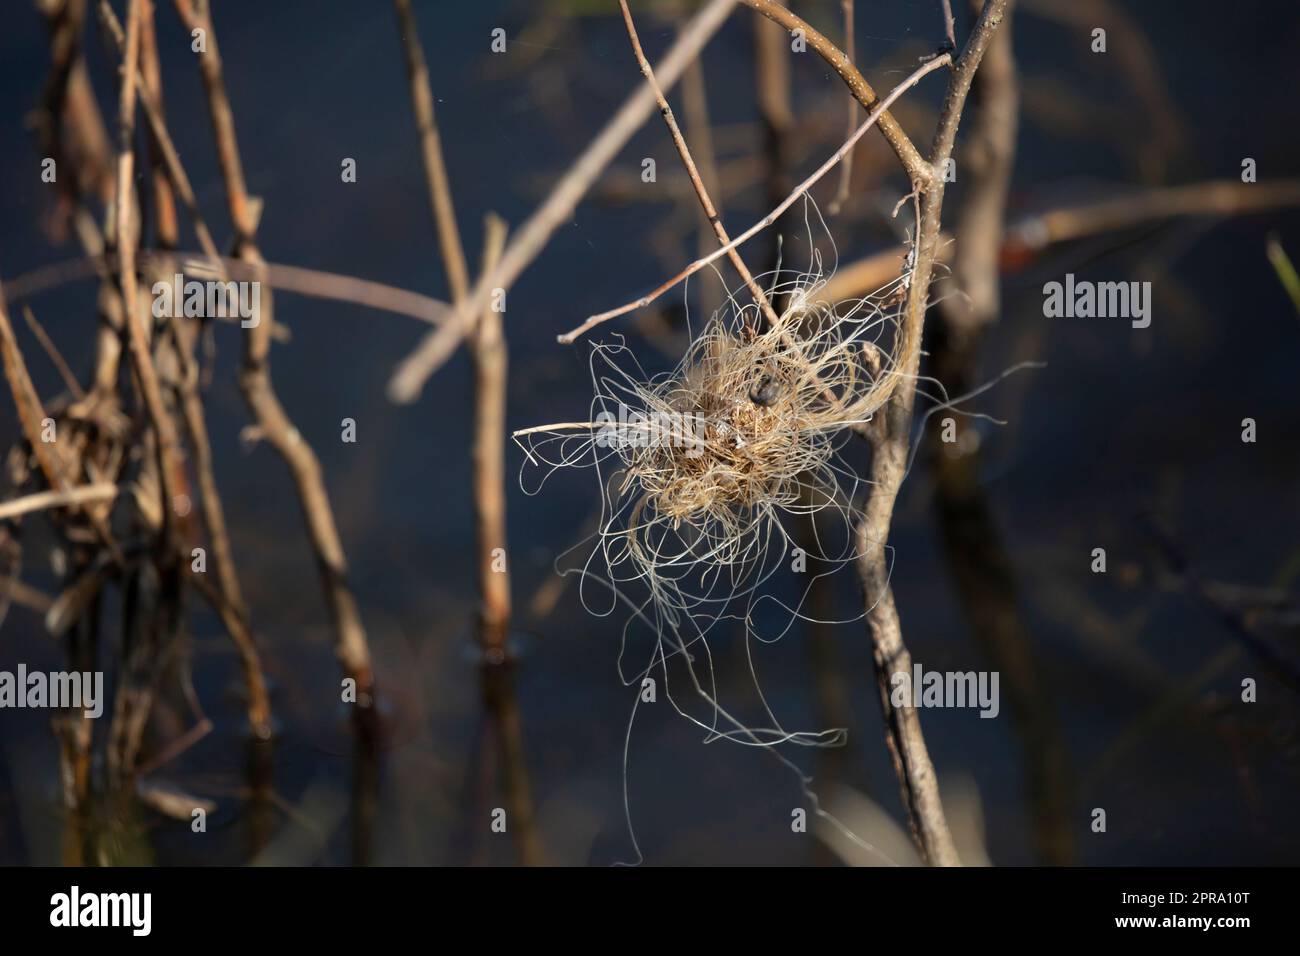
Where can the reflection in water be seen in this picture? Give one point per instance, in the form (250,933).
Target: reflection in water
(497,754)
(986,586)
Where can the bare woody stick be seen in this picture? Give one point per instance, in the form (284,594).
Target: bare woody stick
(918,170)
(488,352)
(771,217)
(765,306)
(232,608)
(141,358)
(164,200)
(846,170)
(949,25)
(56,470)
(532,236)
(42,500)
(1043,229)
(31,413)
(56,357)
(684,151)
(351,645)
(151,101)
(309,282)
(695,107)
(435,169)
(890,434)
(776,117)
(988,155)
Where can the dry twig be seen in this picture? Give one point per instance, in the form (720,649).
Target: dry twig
(409,378)
(273,424)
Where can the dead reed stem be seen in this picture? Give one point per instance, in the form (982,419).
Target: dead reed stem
(274,425)
(776,119)
(890,439)
(141,357)
(488,353)
(687,161)
(164,200)
(56,357)
(313,283)
(150,95)
(771,217)
(231,608)
(917,169)
(695,107)
(988,152)
(43,500)
(435,167)
(529,240)
(1077,221)
(846,168)
(982,573)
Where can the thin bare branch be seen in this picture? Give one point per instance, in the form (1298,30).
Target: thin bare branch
(949,25)
(273,424)
(138,343)
(409,378)
(1038,231)
(488,351)
(846,170)
(685,153)
(771,217)
(44,500)
(435,168)
(890,435)
(918,170)
(56,357)
(988,154)
(301,281)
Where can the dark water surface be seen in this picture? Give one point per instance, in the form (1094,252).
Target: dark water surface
(1137,689)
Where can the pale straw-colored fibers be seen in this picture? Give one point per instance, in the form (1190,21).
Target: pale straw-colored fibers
(700,470)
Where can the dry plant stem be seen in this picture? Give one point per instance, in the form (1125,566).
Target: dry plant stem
(435,169)
(56,357)
(949,25)
(1214,198)
(351,645)
(890,435)
(685,153)
(846,170)
(988,152)
(532,236)
(232,608)
(695,106)
(710,211)
(1202,199)
(308,282)
(918,170)
(776,119)
(1286,273)
(771,217)
(141,358)
(164,200)
(67,99)
(488,352)
(151,101)
(979,568)
(31,415)
(42,500)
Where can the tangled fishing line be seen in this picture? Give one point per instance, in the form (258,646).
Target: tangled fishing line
(702,468)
